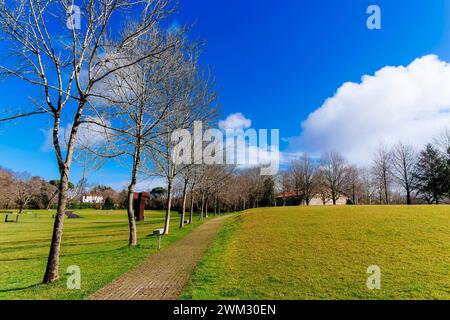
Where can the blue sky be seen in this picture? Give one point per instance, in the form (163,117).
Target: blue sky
(274,61)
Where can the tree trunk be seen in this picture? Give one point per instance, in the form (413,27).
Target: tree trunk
(49,202)
(169,205)
(183,209)
(191,208)
(353,195)
(202,206)
(408,197)
(131,219)
(386,193)
(52,269)
(130,209)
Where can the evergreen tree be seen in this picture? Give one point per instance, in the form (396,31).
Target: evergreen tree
(432,175)
(109,204)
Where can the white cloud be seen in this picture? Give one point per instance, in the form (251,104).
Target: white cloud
(235,121)
(409,104)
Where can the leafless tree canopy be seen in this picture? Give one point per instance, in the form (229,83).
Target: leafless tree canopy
(403,159)
(69,65)
(333,169)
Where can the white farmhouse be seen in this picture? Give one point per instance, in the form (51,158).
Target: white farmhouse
(92,199)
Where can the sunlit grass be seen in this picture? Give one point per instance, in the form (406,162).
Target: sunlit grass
(98,243)
(324,253)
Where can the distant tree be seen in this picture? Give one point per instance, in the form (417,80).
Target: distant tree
(432,175)
(269,192)
(368,187)
(306,171)
(403,161)
(158,192)
(442,141)
(295,172)
(7,192)
(43,192)
(353,184)
(284,184)
(333,171)
(122,199)
(25,189)
(382,171)
(109,204)
(322,189)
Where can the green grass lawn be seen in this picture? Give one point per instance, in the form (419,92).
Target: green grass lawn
(97,243)
(324,253)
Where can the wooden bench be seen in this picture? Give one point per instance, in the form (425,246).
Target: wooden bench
(11,220)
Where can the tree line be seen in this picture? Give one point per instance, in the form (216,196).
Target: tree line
(109,89)
(398,175)
(116,91)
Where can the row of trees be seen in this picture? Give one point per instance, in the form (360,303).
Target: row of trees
(397,175)
(20,190)
(109,89)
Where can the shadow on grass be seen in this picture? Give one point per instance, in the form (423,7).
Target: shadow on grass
(65,255)
(21,288)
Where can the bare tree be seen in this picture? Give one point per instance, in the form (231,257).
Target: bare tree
(322,189)
(212,179)
(295,172)
(68,65)
(308,174)
(367,185)
(25,189)
(403,159)
(353,184)
(189,175)
(442,141)
(382,171)
(188,97)
(333,170)
(284,184)
(192,175)
(7,191)
(303,174)
(134,112)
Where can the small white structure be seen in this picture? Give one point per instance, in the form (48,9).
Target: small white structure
(341,201)
(92,199)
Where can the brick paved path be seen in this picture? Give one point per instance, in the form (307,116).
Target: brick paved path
(163,275)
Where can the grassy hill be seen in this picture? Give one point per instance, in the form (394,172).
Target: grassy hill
(324,253)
